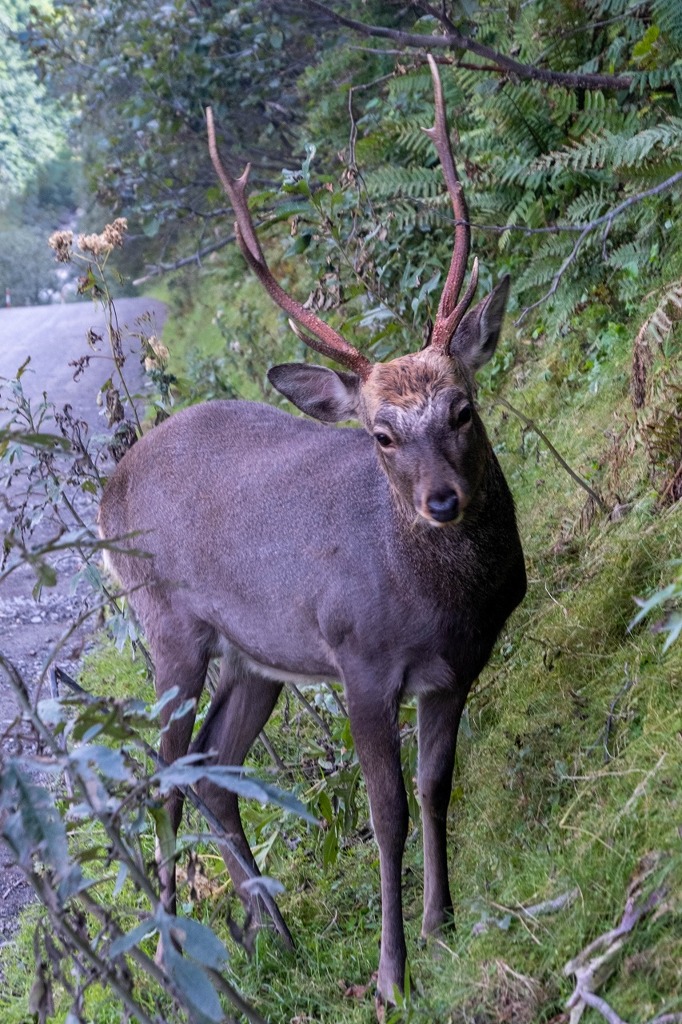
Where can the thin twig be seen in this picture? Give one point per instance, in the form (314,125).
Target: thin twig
(311,710)
(234,996)
(337,700)
(627,685)
(641,786)
(531,425)
(272,753)
(196,257)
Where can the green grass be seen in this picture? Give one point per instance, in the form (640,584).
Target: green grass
(569,769)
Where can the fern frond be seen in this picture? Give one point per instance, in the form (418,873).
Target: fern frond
(666,137)
(667,17)
(588,205)
(415,182)
(656,328)
(616,150)
(631,256)
(659,324)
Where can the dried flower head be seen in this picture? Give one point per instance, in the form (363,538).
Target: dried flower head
(111,238)
(114,234)
(94,244)
(158,348)
(62,243)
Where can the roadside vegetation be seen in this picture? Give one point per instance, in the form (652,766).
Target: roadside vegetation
(566,815)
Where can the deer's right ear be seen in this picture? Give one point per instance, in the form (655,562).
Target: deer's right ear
(475,340)
(328,395)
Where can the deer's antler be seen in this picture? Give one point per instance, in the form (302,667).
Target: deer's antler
(325,339)
(450,312)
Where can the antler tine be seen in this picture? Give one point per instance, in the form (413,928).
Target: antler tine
(325,339)
(450,312)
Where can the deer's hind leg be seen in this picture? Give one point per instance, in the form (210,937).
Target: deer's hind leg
(239,709)
(178,661)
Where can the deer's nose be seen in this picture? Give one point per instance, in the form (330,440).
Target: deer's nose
(443,507)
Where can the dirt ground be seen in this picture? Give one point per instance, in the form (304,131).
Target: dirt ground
(30,630)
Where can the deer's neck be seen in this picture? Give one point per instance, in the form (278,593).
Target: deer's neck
(482,545)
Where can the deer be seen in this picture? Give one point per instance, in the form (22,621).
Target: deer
(385,556)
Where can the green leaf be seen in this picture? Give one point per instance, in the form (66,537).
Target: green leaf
(165,833)
(644,46)
(236,780)
(124,943)
(325,807)
(199,942)
(108,760)
(330,847)
(120,879)
(193,985)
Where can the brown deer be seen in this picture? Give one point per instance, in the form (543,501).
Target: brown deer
(386,557)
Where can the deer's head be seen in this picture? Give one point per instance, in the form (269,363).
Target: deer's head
(419,408)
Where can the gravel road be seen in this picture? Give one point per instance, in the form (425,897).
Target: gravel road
(52,336)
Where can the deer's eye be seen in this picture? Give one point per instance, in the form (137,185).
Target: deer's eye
(463,416)
(383,440)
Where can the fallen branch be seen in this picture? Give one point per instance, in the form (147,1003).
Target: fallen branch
(525,914)
(551,906)
(595,964)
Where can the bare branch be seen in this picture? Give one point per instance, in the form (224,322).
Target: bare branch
(454,39)
(196,257)
(419,62)
(593,964)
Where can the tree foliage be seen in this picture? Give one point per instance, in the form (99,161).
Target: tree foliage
(553,172)
(31,127)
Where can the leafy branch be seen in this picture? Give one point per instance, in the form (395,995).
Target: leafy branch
(92,743)
(606,219)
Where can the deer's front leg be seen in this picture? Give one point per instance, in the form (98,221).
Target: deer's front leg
(374,723)
(439,716)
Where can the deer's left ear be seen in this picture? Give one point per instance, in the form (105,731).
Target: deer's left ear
(475,340)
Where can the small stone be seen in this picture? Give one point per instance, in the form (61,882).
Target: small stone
(35,619)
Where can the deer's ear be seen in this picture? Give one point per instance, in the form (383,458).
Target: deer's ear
(475,340)
(328,395)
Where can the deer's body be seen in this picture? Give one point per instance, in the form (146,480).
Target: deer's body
(386,557)
(305,592)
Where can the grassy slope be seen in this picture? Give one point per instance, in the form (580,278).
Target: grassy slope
(539,806)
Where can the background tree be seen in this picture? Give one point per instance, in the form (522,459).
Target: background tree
(569,139)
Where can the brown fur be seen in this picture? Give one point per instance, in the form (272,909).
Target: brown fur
(409,382)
